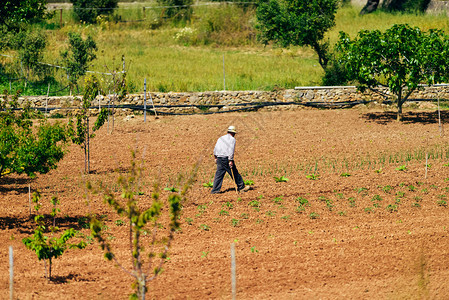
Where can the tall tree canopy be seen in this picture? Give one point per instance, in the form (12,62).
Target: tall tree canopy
(15,12)
(297,23)
(401,58)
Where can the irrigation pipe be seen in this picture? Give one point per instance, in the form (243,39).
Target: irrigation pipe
(237,107)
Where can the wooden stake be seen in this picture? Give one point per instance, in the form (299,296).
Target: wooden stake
(29,197)
(233,272)
(11,274)
(235,183)
(144,100)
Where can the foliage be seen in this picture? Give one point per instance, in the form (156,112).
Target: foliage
(78,56)
(13,13)
(297,23)
(80,133)
(141,220)
(412,6)
(30,45)
(281,179)
(88,11)
(49,248)
(24,150)
(176,10)
(208,184)
(313,176)
(400,58)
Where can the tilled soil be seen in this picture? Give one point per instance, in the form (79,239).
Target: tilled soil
(360,217)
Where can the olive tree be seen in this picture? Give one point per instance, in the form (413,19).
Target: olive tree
(297,23)
(400,59)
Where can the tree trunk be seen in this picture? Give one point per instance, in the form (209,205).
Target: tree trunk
(370,6)
(399,116)
(400,102)
(321,50)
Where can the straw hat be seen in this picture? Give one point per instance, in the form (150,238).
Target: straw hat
(232,129)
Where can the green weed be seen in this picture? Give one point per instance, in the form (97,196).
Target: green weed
(280,179)
(314,215)
(391,208)
(302,201)
(402,168)
(208,184)
(313,176)
(204,227)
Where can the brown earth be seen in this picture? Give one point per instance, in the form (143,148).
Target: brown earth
(366,234)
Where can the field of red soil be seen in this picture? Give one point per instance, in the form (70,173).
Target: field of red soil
(360,216)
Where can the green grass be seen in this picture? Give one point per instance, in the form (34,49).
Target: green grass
(169,65)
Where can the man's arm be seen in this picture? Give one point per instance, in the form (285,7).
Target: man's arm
(231,156)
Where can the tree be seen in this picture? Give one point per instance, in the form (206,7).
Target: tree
(401,58)
(49,248)
(145,225)
(88,10)
(30,45)
(24,149)
(16,12)
(81,133)
(78,57)
(297,23)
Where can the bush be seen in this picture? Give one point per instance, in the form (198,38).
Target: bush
(227,25)
(24,150)
(88,10)
(335,74)
(412,6)
(176,10)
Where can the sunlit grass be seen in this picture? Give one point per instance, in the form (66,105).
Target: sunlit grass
(168,65)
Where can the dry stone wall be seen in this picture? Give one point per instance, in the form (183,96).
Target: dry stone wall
(197,102)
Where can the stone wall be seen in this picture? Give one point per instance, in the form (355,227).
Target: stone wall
(196,102)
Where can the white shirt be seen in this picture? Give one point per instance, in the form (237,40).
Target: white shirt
(225,147)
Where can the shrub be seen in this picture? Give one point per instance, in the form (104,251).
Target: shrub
(88,10)
(176,10)
(49,248)
(24,150)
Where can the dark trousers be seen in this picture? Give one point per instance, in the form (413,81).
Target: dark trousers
(222,168)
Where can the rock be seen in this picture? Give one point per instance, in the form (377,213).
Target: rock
(128,118)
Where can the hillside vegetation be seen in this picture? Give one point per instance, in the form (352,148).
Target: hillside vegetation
(218,49)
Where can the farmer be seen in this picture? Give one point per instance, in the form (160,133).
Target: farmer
(224,157)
